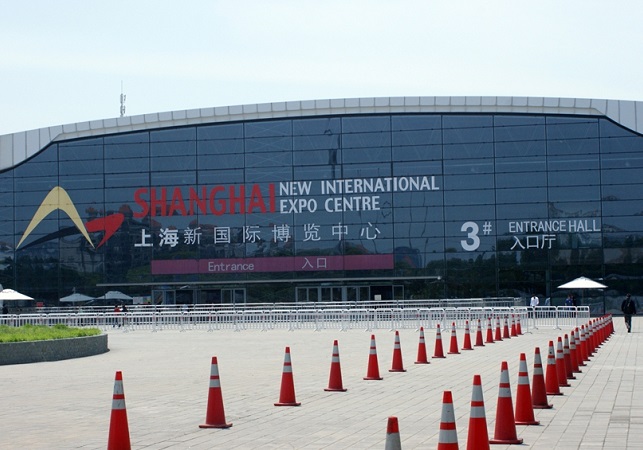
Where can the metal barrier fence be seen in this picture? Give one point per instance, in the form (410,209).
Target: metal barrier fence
(366,319)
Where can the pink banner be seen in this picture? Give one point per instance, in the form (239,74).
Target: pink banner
(273,264)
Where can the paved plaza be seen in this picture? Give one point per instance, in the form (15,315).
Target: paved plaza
(67,404)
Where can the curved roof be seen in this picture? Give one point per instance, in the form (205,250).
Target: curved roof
(17,147)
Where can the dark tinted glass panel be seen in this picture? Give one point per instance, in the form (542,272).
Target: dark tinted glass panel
(173,178)
(366,171)
(315,157)
(573,178)
(622,192)
(469,197)
(574,193)
(31,169)
(621,176)
(261,175)
(268,128)
(366,155)
(572,162)
(525,164)
(128,179)
(609,129)
(369,132)
(571,128)
(326,126)
(127,146)
(80,181)
(533,179)
(220,132)
(82,149)
(468,166)
(127,165)
(316,142)
(37,184)
(521,211)
(269,159)
(173,142)
(469,213)
(49,153)
(574,209)
(324,172)
(269,144)
(207,177)
(172,164)
(470,181)
(521,195)
(220,147)
(417,153)
(232,161)
(621,161)
(421,169)
(82,167)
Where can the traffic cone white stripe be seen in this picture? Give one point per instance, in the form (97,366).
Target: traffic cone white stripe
(118,400)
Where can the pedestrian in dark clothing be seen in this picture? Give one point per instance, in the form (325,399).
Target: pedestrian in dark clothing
(629,309)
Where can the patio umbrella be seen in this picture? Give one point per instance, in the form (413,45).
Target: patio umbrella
(115,295)
(582,283)
(10,294)
(75,298)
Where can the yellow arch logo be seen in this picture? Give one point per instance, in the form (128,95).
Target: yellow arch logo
(56,199)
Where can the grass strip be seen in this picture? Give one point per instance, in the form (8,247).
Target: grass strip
(27,333)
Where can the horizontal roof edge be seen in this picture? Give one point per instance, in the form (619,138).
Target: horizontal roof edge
(17,147)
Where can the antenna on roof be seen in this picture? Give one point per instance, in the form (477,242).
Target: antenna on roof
(123,97)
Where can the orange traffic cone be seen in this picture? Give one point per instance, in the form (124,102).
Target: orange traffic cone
(561,372)
(580,356)
(335,378)
(478,438)
(448,437)
(373,371)
(551,376)
(118,428)
(392,435)
(505,330)
(518,326)
(467,337)
(287,393)
(573,353)
(421,359)
(524,405)
(505,431)
(498,336)
(215,415)
(514,333)
(591,338)
(568,358)
(489,339)
(439,352)
(538,390)
(453,348)
(583,343)
(397,365)
(479,341)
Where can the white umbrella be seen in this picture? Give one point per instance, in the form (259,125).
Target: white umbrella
(115,295)
(75,298)
(582,283)
(10,294)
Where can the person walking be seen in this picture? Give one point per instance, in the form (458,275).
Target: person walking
(629,309)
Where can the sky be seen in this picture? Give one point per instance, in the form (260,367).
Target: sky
(65,61)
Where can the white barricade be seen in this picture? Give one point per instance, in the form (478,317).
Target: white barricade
(319,319)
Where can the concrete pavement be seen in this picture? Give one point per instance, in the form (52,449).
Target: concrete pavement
(67,404)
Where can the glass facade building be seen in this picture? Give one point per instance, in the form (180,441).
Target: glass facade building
(331,205)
